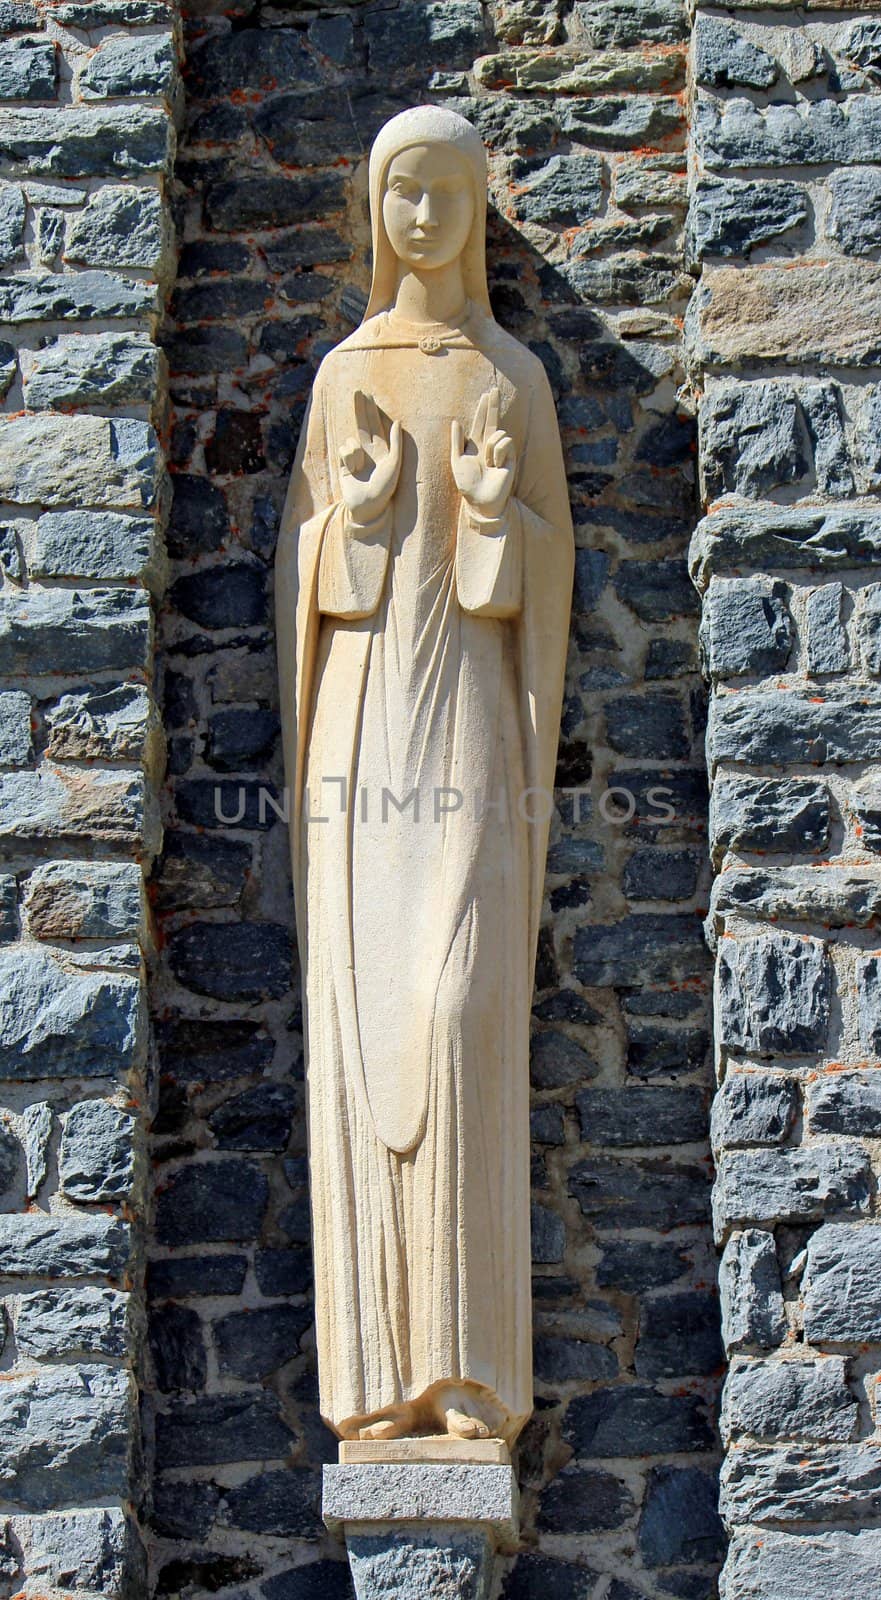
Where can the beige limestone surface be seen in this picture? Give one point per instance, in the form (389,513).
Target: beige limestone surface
(423,589)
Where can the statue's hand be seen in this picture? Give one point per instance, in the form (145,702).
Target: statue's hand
(371,463)
(484,465)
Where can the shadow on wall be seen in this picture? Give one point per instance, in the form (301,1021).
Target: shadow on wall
(618,1464)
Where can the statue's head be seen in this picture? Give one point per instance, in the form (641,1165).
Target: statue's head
(427,201)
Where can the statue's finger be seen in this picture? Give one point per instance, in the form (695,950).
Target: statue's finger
(457,441)
(478,426)
(492,411)
(361,419)
(374,420)
(395,441)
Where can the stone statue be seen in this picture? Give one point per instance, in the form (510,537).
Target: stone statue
(423,587)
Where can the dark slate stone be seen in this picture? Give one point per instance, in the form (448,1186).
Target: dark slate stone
(640,949)
(284,1504)
(548,1235)
(79,142)
(304,247)
(847,1102)
(125,67)
(177,1348)
(567,190)
(633,1420)
(217,299)
(754,1108)
(217,1200)
(679,1519)
(239,738)
(632,22)
(316,1580)
(258,1119)
(581,1502)
(617,1194)
(284,1271)
(200,352)
(12,215)
(634,1266)
(183,1276)
(222,1427)
(562,1360)
(538,1577)
(854,219)
(656,1052)
(448,33)
(198,871)
(233,802)
(247,961)
(759,727)
(207,1572)
(788,814)
(236,445)
(556,1060)
(657,590)
(642,1116)
(251,1344)
(28,69)
(655,874)
(679,1336)
(192,1051)
(782,135)
(241,204)
(824,415)
(546,1125)
(774,994)
(668,442)
(648,725)
(199,519)
(250,58)
(182,1509)
(228,596)
(724,59)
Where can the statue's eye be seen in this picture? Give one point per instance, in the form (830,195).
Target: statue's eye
(406,190)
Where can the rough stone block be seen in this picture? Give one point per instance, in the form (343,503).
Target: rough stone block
(837,897)
(223,1427)
(787,1485)
(247,961)
(69,630)
(639,1194)
(753,1108)
(802,314)
(456,1563)
(680,1522)
(59,1021)
(793,1566)
(53,460)
(773,994)
(746,627)
(840,1285)
(94,1552)
(750,1291)
(639,949)
(119,723)
(96,1160)
(737,133)
(28,69)
(449,33)
(642,1115)
(799,1185)
(146,64)
(769,814)
(73,297)
(867,628)
(630,22)
(108,369)
(36,1245)
(799,1399)
(16,743)
(213,1201)
(85,1321)
(726,59)
(574,72)
(86,900)
(633,1420)
(66,1433)
(95,544)
(854,219)
(54,803)
(420,1492)
(752,438)
(788,537)
(76,142)
(777,728)
(729,218)
(846,1102)
(869,1003)
(120,227)
(827,647)
(678,1335)
(568,190)
(12,215)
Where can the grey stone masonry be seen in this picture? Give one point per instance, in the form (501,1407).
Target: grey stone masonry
(88,106)
(784,234)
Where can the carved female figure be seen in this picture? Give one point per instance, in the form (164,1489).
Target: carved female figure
(423,587)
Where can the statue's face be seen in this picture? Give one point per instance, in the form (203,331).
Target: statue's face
(428,205)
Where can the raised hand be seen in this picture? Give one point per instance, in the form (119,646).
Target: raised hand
(484,465)
(370,463)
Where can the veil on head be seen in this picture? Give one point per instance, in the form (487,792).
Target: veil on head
(426,125)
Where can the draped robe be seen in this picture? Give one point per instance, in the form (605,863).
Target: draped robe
(423,661)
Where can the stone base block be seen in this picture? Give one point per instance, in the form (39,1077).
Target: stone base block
(419,1528)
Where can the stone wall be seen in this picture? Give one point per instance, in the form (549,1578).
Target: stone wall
(587,146)
(786,221)
(87,93)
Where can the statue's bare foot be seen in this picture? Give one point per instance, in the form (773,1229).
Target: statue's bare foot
(462,1426)
(400,1426)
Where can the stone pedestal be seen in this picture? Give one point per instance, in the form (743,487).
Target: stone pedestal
(416,1528)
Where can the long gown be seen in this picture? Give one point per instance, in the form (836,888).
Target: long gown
(427,680)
